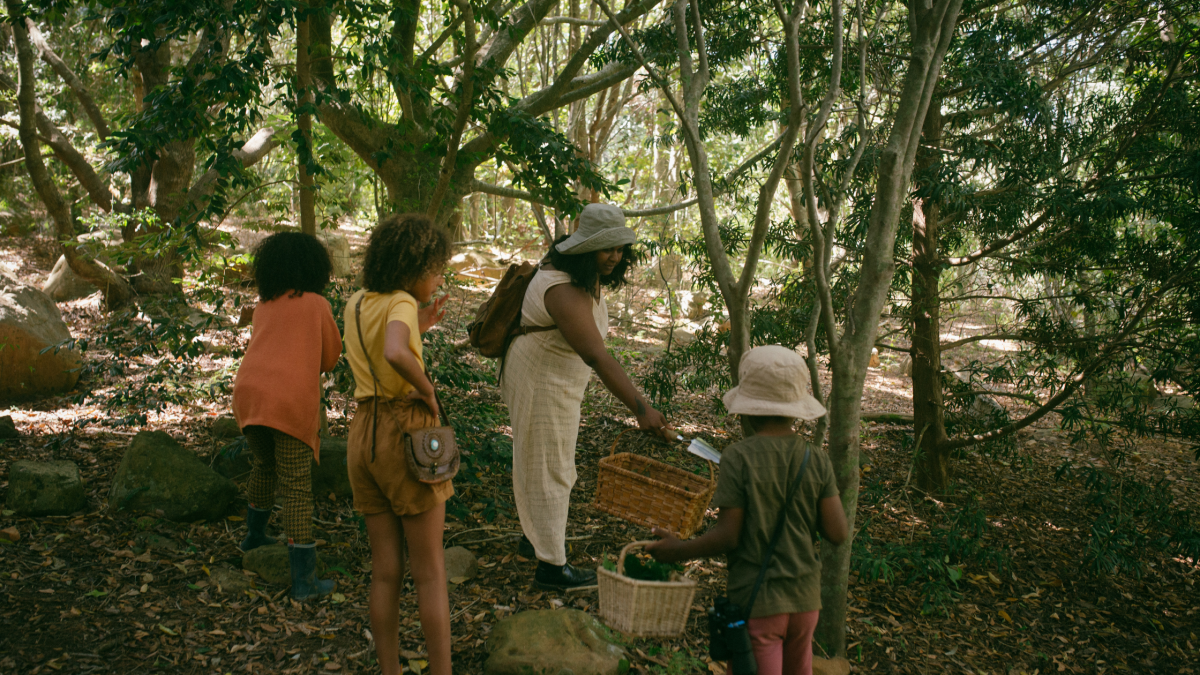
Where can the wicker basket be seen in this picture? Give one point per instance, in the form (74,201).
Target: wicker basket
(648,492)
(644,608)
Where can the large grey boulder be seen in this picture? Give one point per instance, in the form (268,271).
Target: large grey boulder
(30,323)
(331,475)
(64,285)
(157,474)
(549,642)
(45,488)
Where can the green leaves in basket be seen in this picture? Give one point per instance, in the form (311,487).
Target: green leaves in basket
(643,570)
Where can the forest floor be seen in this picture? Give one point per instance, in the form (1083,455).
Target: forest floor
(995,578)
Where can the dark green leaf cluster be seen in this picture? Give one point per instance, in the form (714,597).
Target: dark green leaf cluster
(548,164)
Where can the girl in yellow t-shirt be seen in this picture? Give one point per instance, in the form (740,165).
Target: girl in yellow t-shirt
(403,268)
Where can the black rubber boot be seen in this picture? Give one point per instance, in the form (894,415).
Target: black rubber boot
(305,584)
(556,578)
(256,529)
(525,548)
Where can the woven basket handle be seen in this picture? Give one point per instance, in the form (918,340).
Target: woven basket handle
(617,441)
(626,550)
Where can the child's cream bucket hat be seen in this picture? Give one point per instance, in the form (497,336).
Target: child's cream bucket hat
(773,380)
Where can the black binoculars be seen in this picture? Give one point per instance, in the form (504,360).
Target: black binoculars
(729,637)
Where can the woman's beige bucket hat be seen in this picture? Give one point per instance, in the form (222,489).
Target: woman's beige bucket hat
(773,380)
(601,226)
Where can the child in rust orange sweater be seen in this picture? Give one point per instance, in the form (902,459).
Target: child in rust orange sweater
(277,394)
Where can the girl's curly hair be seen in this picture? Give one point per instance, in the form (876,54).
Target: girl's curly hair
(404,248)
(290,261)
(584,271)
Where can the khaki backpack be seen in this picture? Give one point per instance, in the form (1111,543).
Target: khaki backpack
(498,320)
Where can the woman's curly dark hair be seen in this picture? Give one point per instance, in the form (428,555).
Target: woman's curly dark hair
(584,271)
(290,261)
(404,248)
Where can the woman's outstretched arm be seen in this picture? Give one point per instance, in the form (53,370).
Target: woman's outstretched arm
(571,309)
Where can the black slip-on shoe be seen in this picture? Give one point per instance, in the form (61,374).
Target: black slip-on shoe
(555,578)
(525,548)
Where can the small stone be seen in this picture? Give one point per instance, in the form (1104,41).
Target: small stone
(270,563)
(8,428)
(45,488)
(834,666)
(460,564)
(225,427)
(230,580)
(552,641)
(156,542)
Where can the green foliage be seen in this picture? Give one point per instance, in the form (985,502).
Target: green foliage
(547,163)
(643,569)
(937,563)
(1133,522)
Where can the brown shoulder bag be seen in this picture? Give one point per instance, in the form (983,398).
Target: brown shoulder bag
(431,452)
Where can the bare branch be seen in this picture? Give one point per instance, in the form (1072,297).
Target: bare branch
(64,71)
(250,153)
(117,292)
(96,184)
(945,347)
(999,243)
(552,20)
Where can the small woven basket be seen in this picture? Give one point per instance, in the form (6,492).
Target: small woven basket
(653,494)
(644,608)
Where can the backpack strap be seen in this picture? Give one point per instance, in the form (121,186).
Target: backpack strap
(762,571)
(520,330)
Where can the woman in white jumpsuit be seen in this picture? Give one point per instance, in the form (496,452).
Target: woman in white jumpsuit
(545,375)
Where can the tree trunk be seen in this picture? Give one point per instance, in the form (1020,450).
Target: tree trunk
(932,27)
(929,421)
(847,377)
(308,196)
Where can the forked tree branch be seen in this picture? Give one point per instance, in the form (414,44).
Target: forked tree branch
(64,71)
(117,292)
(250,153)
(96,184)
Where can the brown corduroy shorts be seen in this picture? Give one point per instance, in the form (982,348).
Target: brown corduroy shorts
(386,484)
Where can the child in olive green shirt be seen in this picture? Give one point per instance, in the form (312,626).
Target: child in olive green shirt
(751,496)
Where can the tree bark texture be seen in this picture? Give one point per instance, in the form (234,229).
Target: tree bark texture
(308,195)
(929,420)
(931,27)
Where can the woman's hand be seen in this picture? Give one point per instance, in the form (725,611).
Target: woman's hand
(432,313)
(667,548)
(653,421)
